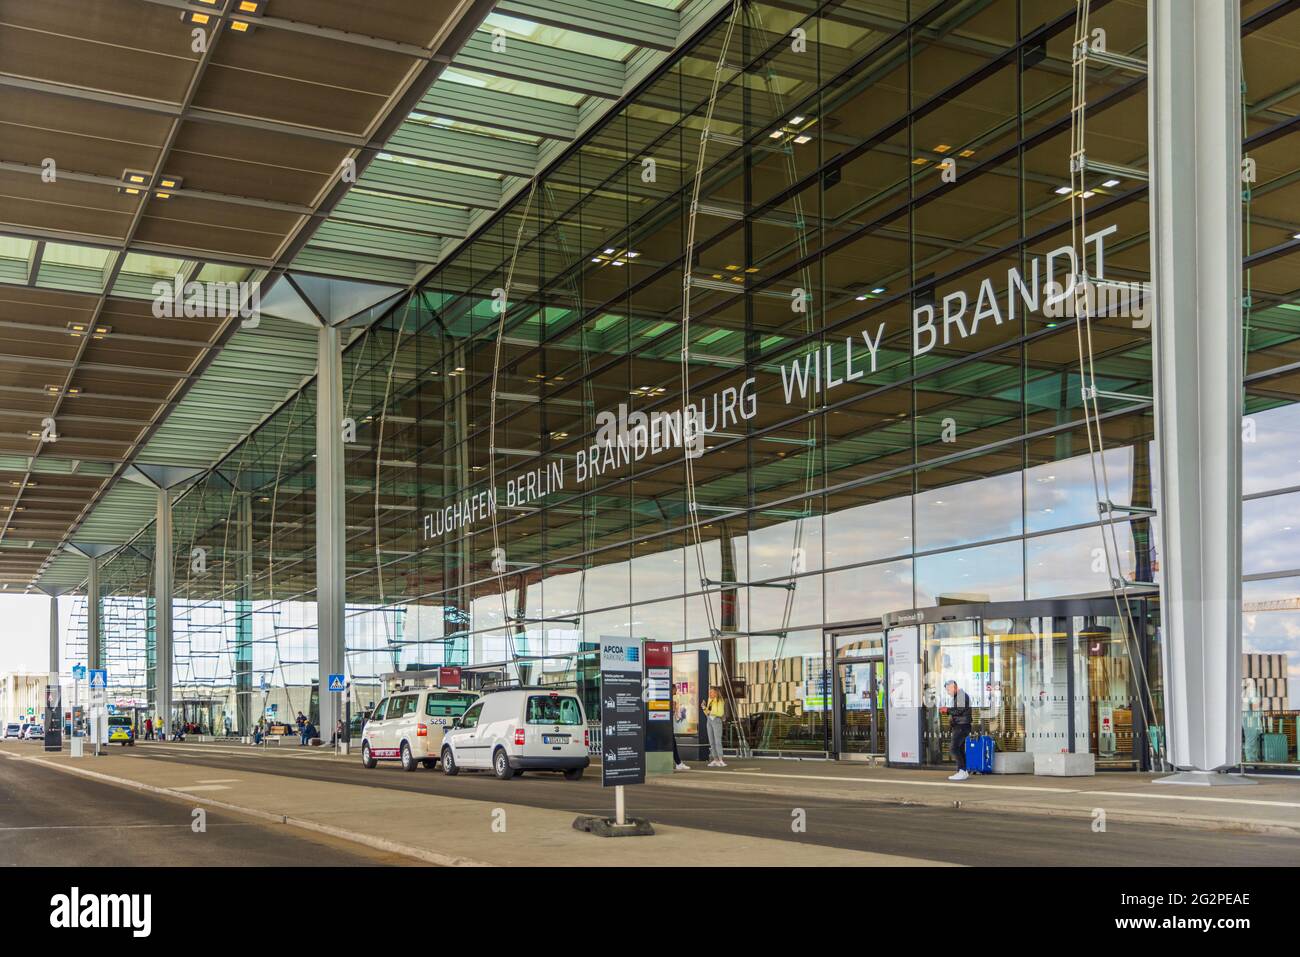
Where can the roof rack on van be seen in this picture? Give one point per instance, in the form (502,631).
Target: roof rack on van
(516,686)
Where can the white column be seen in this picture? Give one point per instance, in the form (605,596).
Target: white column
(162,605)
(1195,201)
(330,563)
(94,640)
(54,634)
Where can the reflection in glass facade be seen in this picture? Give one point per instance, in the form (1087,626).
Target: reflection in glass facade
(846,470)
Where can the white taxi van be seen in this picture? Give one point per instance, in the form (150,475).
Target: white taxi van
(517,730)
(408,726)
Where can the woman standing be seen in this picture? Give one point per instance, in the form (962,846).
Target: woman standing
(714,709)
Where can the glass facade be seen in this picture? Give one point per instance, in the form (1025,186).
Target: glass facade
(517,487)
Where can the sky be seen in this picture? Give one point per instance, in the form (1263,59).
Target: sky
(25,632)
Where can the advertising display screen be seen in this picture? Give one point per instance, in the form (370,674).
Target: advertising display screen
(686,693)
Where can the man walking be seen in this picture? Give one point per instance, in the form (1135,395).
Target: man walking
(959,722)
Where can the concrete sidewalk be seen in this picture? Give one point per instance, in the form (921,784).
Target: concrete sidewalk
(436,829)
(1272,805)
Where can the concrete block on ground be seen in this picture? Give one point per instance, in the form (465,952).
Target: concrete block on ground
(1013,762)
(1065,765)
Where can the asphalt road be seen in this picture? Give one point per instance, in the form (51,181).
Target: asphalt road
(943,834)
(52,818)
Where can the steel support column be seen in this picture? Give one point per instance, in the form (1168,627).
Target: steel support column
(54,634)
(1195,139)
(330,532)
(94,638)
(163,580)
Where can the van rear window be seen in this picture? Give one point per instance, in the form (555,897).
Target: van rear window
(448,705)
(544,709)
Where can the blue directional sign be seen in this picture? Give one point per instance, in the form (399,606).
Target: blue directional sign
(98,677)
(336,683)
(79,671)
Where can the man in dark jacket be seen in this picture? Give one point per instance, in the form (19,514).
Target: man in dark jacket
(959,722)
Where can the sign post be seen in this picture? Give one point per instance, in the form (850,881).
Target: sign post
(658,697)
(98,708)
(622,734)
(337,685)
(53,715)
(78,672)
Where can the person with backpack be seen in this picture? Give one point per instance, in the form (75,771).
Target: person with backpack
(959,722)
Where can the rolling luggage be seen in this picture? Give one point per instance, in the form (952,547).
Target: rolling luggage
(979,754)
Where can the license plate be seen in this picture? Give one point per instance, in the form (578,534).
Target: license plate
(555,739)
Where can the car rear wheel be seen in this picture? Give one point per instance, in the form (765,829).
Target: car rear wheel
(408,759)
(573,774)
(367,761)
(501,765)
(449,766)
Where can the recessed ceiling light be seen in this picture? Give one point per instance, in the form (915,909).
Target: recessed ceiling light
(878,290)
(1087,194)
(1110,183)
(1062,190)
(942,148)
(797,119)
(134,180)
(168,183)
(861,298)
(775,134)
(802,139)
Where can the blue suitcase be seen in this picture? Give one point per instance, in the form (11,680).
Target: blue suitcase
(979,754)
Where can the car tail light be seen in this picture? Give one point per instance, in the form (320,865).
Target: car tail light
(586,738)
(519,735)
(421,730)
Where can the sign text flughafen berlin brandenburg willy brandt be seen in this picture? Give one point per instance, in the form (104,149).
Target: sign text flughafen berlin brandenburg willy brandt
(624,435)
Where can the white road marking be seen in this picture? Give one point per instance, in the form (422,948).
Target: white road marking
(218,780)
(203,787)
(969,786)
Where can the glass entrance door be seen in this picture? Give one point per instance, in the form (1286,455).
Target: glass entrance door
(859,693)
(950,650)
(1043,677)
(861,706)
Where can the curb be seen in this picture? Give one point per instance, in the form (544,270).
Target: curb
(356,837)
(1245,825)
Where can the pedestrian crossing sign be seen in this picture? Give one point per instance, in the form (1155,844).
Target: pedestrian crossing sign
(98,678)
(336,683)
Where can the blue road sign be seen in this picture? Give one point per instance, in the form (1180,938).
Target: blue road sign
(99,677)
(336,683)
(79,671)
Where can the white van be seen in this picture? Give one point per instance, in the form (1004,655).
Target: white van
(520,729)
(408,726)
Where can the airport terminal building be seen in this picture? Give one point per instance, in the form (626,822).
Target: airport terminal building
(825,352)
